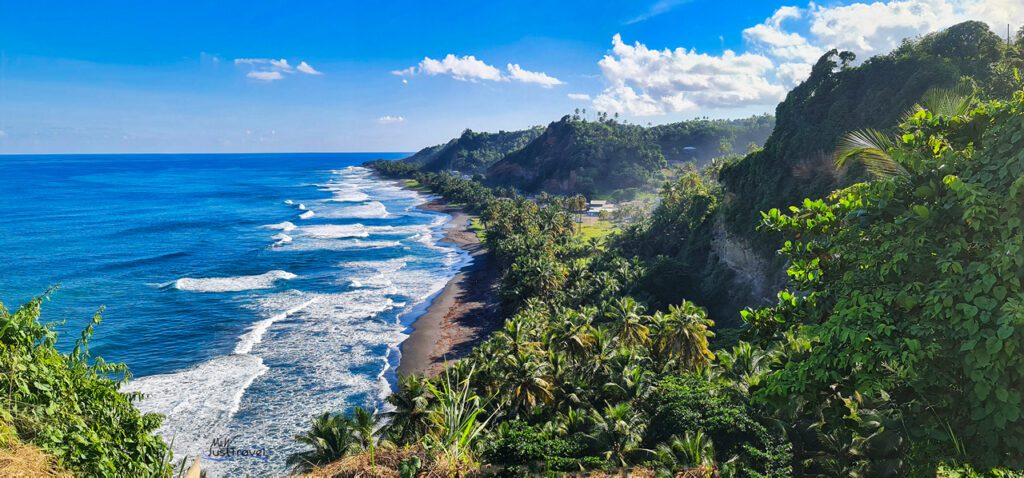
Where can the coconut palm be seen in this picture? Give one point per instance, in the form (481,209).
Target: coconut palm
(332,437)
(691,450)
(628,314)
(528,381)
(744,365)
(681,336)
(618,430)
(410,417)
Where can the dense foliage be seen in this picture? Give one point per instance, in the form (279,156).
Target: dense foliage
(580,371)
(907,293)
(579,156)
(69,404)
(472,152)
(702,140)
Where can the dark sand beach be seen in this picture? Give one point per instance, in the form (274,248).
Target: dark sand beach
(463,314)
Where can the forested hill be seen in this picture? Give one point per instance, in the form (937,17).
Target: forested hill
(597,157)
(472,152)
(574,155)
(796,161)
(578,156)
(712,253)
(702,140)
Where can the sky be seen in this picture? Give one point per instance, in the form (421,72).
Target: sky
(279,76)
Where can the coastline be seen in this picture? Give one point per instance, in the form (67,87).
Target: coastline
(463,314)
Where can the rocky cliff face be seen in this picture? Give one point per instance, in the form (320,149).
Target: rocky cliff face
(760,277)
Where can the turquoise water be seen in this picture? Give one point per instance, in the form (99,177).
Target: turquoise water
(247,293)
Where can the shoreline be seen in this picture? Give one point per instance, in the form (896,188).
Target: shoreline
(463,314)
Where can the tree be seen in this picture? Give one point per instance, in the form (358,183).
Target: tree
(332,436)
(909,287)
(410,417)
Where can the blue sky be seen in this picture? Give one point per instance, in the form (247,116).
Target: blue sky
(190,76)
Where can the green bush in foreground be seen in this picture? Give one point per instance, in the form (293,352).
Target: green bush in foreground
(70,407)
(909,290)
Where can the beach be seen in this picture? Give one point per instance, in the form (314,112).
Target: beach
(463,314)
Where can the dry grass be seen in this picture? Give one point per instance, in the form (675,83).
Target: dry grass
(385,463)
(25,461)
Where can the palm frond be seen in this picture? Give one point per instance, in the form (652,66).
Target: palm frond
(870,147)
(948,102)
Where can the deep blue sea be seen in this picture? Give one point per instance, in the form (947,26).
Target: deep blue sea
(246,292)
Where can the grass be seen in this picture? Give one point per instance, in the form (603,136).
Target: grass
(415,185)
(596,230)
(477,226)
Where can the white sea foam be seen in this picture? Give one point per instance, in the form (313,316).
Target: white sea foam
(306,215)
(347,196)
(256,332)
(312,244)
(289,202)
(198,402)
(283,226)
(336,231)
(302,207)
(370,210)
(281,239)
(232,284)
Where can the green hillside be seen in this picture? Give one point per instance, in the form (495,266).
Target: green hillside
(472,152)
(576,156)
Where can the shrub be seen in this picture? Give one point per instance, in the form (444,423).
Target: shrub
(70,406)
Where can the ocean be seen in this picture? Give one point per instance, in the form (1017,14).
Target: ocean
(246,292)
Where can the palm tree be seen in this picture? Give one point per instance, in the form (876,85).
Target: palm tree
(687,451)
(410,419)
(527,381)
(618,430)
(631,329)
(682,336)
(745,365)
(364,425)
(332,437)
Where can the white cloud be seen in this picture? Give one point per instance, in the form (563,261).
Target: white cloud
(579,97)
(642,81)
(648,82)
(515,72)
(469,68)
(388,119)
(463,68)
(305,68)
(3,134)
(265,75)
(270,69)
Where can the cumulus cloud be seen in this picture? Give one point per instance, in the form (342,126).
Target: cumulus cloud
(305,68)
(517,73)
(469,68)
(270,69)
(462,68)
(579,97)
(388,119)
(642,81)
(653,82)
